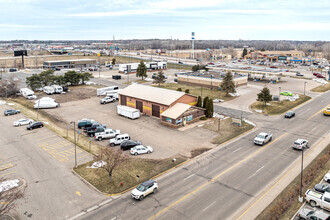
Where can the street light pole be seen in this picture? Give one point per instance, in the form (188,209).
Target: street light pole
(279,93)
(301,175)
(304,87)
(75,144)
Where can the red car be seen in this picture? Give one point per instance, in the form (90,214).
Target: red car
(211,63)
(319,75)
(274,67)
(315,74)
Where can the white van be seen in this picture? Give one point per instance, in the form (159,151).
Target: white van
(46,104)
(118,139)
(49,90)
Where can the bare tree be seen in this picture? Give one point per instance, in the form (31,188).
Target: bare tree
(326,51)
(112,158)
(8,88)
(231,51)
(8,198)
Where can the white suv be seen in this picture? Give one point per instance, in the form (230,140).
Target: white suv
(144,189)
(327,177)
(118,139)
(299,144)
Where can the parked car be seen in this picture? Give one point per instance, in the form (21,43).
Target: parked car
(140,149)
(286,93)
(106,134)
(320,76)
(38,124)
(107,99)
(314,74)
(93,126)
(311,214)
(326,177)
(92,132)
(322,188)
(119,139)
(180,62)
(23,121)
(263,137)
(299,144)
(85,122)
(11,112)
(299,74)
(318,199)
(127,145)
(289,114)
(144,189)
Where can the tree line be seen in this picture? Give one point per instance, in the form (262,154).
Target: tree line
(47,78)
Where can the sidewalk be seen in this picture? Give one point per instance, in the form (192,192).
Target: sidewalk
(254,207)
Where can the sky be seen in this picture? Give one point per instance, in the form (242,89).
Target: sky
(164,19)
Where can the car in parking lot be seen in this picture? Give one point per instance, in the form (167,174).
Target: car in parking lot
(92,132)
(326,177)
(22,121)
(289,114)
(128,144)
(11,112)
(107,99)
(119,139)
(38,124)
(322,188)
(320,76)
(140,149)
(299,74)
(144,189)
(286,93)
(299,144)
(85,122)
(312,214)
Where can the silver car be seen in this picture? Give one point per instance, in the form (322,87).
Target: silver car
(311,214)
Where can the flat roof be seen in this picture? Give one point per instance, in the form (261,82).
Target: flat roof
(57,61)
(152,94)
(176,110)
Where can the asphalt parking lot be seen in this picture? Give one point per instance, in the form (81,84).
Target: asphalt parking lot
(165,141)
(43,162)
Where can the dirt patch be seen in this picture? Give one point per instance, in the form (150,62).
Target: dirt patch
(76,93)
(196,152)
(322,88)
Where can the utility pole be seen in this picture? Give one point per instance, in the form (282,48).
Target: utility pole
(301,174)
(304,87)
(75,143)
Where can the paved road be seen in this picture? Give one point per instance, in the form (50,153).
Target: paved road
(217,185)
(44,161)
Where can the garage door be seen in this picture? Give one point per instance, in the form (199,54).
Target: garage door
(139,105)
(123,100)
(156,110)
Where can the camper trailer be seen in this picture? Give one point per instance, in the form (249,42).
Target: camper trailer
(27,93)
(49,90)
(103,91)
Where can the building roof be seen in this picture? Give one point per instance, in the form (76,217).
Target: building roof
(176,110)
(151,94)
(57,61)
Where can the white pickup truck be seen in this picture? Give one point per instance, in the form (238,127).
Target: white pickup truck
(107,99)
(318,199)
(106,134)
(263,138)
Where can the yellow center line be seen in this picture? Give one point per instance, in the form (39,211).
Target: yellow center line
(7,174)
(275,184)
(316,113)
(215,178)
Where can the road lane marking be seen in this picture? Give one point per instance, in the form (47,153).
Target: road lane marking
(215,178)
(189,176)
(208,206)
(313,129)
(237,150)
(7,174)
(275,184)
(260,169)
(78,193)
(316,114)
(6,166)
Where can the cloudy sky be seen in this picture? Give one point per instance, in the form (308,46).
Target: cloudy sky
(141,19)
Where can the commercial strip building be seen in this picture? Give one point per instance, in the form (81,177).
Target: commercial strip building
(151,66)
(210,79)
(67,64)
(157,102)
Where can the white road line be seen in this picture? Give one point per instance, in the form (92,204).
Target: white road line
(308,109)
(189,176)
(313,129)
(208,206)
(236,150)
(259,169)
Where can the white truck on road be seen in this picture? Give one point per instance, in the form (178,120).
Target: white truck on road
(263,138)
(318,199)
(128,112)
(106,134)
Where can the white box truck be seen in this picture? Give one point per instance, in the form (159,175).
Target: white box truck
(49,90)
(128,112)
(103,91)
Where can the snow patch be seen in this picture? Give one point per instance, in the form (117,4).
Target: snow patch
(97,164)
(8,184)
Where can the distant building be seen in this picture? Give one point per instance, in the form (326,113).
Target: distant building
(151,66)
(67,64)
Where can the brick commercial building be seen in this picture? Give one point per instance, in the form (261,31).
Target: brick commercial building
(153,101)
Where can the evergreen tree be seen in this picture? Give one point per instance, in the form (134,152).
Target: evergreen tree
(187,91)
(210,108)
(113,61)
(264,96)
(160,78)
(141,71)
(205,101)
(228,84)
(244,52)
(199,101)
(179,89)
